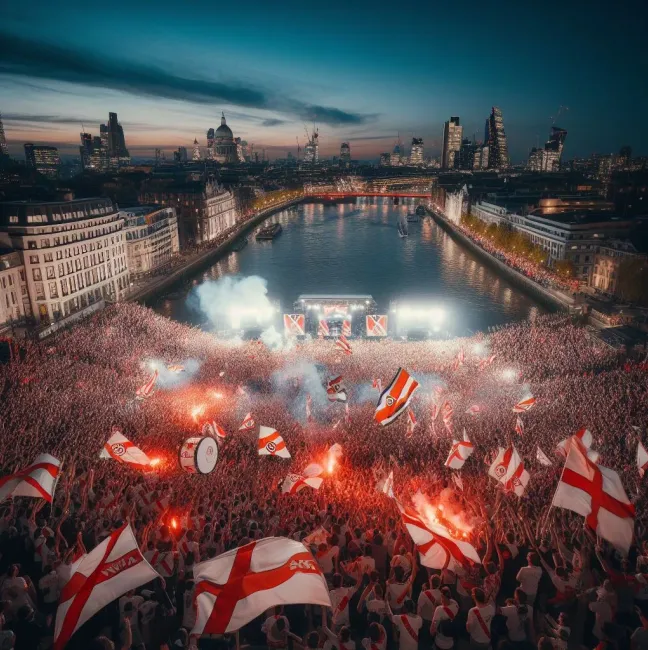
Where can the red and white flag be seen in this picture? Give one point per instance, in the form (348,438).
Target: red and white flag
(542,458)
(484,363)
(519,426)
(387,486)
(582,436)
(597,494)
(343,344)
(642,459)
(475,409)
(323,328)
(347,415)
(121,449)
(293,483)
(395,398)
(248,423)
(176,369)
(346,327)
(37,480)
(446,414)
(460,452)
(145,390)
(438,549)
(236,587)
(508,469)
(411,423)
(336,390)
(271,443)
(524,405)
(110,570)
(377,384)
(214,430)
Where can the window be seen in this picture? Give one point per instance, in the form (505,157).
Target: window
(50,272)
(36,274)
(31,244)
(33,259)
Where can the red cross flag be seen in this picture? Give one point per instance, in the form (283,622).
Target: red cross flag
(584,436)
(642,459)
(146,389)
(271,443)
(460,452)
(508,469)
(524,405)
(248,423)
(37,480)
(124,451)
(597,494)
(293,483)
(236,587)
(103,575)
(395,398)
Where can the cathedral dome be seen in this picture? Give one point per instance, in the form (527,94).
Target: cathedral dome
(223,132)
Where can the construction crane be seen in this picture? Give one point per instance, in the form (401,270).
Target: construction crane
(298,147)
(561,109)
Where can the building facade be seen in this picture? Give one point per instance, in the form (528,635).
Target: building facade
(151,238)
(3,140)
(548,159)
(452,135)
(74,254)
(45,160)
(416,153)
(498,157)
(345,154)
(14,299)
(607,260)
(454,206)
(225,149)
(196,150)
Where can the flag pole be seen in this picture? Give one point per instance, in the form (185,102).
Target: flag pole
(238,641)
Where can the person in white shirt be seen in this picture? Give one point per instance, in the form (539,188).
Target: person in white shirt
(445,611)
(276,628)
(340,641)
(398,589)
(408,625)
(479,620)
(328,557)
(130,597)
(373,596)
(602,608)
(48,587)
(377,639)
(340,598)
(529,577)
(428,600)
(366,562)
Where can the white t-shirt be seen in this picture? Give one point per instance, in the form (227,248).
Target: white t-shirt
(427,602)
(396,594)
(377,605)
(325,560)
(474,625)
(445,613)
(529,578)
(515,623)
(406,641)
(136,600)
(48,585)
(341,614)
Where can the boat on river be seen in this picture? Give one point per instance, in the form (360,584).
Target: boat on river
(269,232)
(402,227)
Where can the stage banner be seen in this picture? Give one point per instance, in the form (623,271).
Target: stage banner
(377,325)
(294,324)
(323,328)
(346,327)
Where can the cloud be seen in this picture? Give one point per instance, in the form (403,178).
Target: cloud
(35,59)
(272,122)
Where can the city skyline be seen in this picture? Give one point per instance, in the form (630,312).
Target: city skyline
(354,90)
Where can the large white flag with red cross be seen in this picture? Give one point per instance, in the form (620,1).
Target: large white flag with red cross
(585,438)
(37,480)
(271,443)
(236,587)
(103,575)
(120,448)
(596,493)
(460,452)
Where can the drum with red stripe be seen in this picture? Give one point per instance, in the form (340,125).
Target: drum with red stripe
(198,455)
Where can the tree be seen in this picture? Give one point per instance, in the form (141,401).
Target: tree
(632,280)
(564,268)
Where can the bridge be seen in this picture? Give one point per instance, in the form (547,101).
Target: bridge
(343,195)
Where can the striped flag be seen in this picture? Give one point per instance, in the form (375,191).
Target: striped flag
(343,344)
(146,390)
(248,423)
(120,448)
(37,480)
(395,398)
(524,405)
(508,469)
(271,443)
(293,483)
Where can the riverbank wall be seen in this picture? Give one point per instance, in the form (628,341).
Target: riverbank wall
(554,300)
(153,290)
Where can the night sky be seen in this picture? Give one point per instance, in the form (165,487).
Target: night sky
(362,71)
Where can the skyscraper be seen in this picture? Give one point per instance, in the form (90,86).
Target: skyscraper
(416,153)
(3,141)
(345,153)
(311,150)
(45,160)
(113,141)
(498,147)
(86,150)
(452,133)
(548,159)
(210,144)
(196,150)
(467,154)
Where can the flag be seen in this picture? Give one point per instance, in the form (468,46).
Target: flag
(597,494)
(377,384)
(460,452)
(317,537)
(146,389)
(214,430)
(519,426)
(542,458)
(234,588)
(457,481)
(37,480)
(312,470)
(309,408)
(484,363)
(524,405)
(411,423)
(438,549)
(335,390)
(388,485)
(446,414)
(248,423)
(508,469)
(111,569)
(395,398)
(343,344)
(121,449)
(271,443)
(584,437)
(475,409)
(347,415)
(322,328)
(176,369)
(346,327)
(293,483)
(642,459)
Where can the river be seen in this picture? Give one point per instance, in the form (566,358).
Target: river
(354,248)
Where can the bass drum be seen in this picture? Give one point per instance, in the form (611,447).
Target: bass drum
(198,455)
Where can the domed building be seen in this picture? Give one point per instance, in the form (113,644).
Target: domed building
(224,146)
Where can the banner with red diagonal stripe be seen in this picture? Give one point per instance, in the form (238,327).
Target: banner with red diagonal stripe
(236,587)
(37,480)
(121,449)
(271,443)
(103,575)
(395,398)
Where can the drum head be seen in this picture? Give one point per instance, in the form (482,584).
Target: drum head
(206,455)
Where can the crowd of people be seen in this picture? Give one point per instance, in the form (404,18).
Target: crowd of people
(545,580)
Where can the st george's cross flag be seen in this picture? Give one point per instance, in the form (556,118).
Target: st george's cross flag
(395,398)
(460,452)
(508,469)
(248,423)
(524,405)
(121,449)
(36,480)
(642,459)
(585,438)
(271,443)
(236,587)
(596,493)
(111,569)
(293,483)
(542,458)
(146,390)
(437,547)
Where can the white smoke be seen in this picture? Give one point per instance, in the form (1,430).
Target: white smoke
(169,378)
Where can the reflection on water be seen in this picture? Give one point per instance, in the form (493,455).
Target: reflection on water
(355,248)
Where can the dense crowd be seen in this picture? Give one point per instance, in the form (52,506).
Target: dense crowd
(544,581)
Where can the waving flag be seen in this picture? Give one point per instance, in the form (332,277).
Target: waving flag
(508,469)
(271,443)
(597,494)
(236,587)
(146,390)
(312,470)
(109,571)
(214,430)
(37,480)
(446,414)
(524,405)
(542,458)
(335,390)
(642,459)
(323,328)
(519,426)
(343,344)
(121,449)
(346,327)
(293,483)
(411,423)
(317,537)
(176,369)
(388,485)
(248,423)
(583,437)
(460,452)
(484,363)
(395,398)
(377,384)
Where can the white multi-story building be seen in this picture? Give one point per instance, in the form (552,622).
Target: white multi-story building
(219,213)
(14,299)
(74,254)
(151,238)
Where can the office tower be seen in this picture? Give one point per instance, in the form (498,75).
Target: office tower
(86,150)
(467,154)
(3,141)
(45,160)
(384,160)
(498,147)
(416,153)
(395,158)
(311,150)
(158,156)
(196,150)
(548,158)
(114,143)
(625,153)
(345,153)
(452,133)
(210,144)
